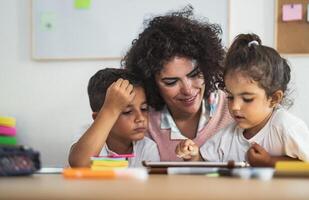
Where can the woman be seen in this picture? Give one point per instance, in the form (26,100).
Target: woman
(180,59)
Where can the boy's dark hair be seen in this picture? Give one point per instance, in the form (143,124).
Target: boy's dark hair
(101,80)
(176,34)
(263,64)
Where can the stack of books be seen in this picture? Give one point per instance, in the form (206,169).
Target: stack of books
(7,131)
(110,162)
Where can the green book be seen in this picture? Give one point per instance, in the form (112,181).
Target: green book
(8,140)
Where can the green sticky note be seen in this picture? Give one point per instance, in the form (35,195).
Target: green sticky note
(7,140)
(82,4)
(47,21)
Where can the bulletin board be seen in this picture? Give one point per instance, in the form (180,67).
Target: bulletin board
(292,37)
(104,29)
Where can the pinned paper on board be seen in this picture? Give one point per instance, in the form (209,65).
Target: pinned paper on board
(47,21)
(291,12)
(307,12)
(82,4)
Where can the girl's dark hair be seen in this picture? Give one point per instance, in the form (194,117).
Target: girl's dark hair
(176,34)
(263,64)
(102,79)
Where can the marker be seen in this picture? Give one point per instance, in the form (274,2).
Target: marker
(87,173)
(243,173)
(191,170)
(292,168)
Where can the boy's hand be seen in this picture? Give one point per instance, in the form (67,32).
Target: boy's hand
(119,95)
(188,150)
(258,156)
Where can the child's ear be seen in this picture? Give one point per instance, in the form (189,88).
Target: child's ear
(276,98)
(94,115)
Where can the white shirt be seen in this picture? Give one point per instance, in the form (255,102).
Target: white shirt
(144,149)
(167,121)
(283,134)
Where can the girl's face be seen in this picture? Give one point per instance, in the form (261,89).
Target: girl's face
(247,102)
(181,85)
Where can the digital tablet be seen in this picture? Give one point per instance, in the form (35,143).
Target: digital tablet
(165,164)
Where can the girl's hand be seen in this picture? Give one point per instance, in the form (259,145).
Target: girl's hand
(188,150)
(259,157)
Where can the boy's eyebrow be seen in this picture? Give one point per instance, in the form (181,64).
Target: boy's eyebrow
(131,105)
(189,74)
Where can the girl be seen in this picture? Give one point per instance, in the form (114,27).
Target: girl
(256,79)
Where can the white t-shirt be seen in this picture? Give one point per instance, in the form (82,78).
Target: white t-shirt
(144,149)
(283,135)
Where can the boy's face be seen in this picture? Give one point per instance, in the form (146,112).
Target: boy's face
(247,102)
(132,122)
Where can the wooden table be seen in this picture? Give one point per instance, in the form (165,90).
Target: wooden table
(49,186)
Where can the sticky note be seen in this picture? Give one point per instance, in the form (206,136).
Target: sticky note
(82,4)
(10,131)
(8,140)
(7,121)
(48,21)
(291,12)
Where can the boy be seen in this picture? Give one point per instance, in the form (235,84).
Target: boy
(120,114)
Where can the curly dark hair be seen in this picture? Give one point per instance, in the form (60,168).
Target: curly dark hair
(102,79)
(176,34)
(263,64)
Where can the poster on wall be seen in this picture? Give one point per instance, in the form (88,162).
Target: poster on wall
(102,29)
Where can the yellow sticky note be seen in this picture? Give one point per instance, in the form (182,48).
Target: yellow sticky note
(82,4)
(7,121)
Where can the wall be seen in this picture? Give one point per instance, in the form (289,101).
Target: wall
(49,99)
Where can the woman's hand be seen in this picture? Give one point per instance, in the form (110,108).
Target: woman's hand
(188,150)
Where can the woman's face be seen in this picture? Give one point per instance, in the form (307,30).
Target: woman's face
(182,86)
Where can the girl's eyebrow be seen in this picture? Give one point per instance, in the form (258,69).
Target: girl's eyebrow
(241,94)
(247,93)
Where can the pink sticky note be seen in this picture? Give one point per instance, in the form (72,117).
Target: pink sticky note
(291,12)
(116,156)
(10,131)
(122,156)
